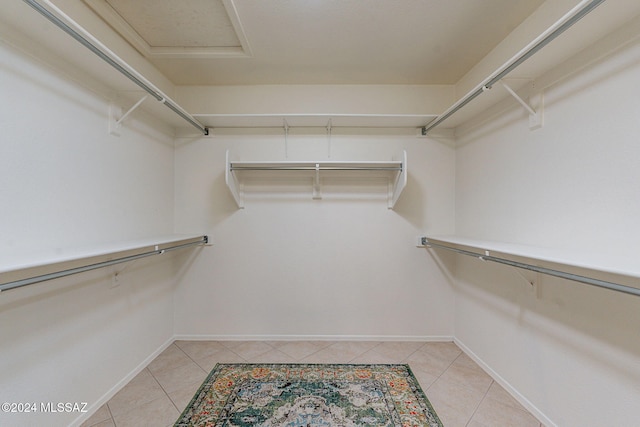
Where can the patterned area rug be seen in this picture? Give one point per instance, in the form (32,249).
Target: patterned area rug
(309,395)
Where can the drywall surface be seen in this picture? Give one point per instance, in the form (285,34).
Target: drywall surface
(570,350)
(316,99)
(66,184)
(290,266)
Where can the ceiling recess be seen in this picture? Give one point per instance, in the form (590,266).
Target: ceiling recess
(170,29)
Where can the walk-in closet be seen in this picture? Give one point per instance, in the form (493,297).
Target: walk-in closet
(450,186)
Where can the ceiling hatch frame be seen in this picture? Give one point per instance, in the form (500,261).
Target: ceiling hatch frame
(108,14)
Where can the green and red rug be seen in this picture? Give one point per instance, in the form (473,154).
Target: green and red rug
(309,395)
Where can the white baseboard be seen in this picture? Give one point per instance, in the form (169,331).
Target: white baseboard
(428,338)
(124,381)
(508,387)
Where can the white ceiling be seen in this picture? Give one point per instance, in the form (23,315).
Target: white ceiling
(240,42)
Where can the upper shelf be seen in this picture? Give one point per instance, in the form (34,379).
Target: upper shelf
(89,43)
(315,120)
(394,173)
(601,27)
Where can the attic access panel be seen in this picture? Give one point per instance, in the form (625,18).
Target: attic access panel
(170,29)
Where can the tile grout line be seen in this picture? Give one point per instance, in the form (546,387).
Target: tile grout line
(502,403)
(483,396)
(190,358)
(299,359)
(486,396)
(364,352)
(405,360)
(113,420)
(241,357)
(158,382)
(445,369)
(425,389)
(110,418)
(480,403)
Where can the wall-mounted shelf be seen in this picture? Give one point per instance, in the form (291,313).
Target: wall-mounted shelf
(18,272)
(415,121)
(587,267)
(393,173)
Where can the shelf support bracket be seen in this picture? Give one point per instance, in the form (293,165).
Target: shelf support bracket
(535,117)
(530,282)
(131,110)
(286,138)
(329,138)
(116,123)
(316,184)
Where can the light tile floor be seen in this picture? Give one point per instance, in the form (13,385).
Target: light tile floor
(459,390)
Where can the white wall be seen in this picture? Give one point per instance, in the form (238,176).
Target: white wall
(287,265)
(66,183)
(334,268)
(571,350)
(317,99)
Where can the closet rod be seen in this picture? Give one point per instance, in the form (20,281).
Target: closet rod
(95,46)
(93,266)
(563,24)
(312,168)
(551,272)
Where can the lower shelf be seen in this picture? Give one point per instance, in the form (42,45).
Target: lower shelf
(585,268)
(41,269)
